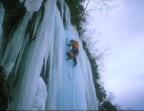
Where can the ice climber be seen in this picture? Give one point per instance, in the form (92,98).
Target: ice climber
(73,53)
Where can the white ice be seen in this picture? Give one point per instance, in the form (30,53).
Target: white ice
(15,45)
(32,5)
(1,21)
(40,96)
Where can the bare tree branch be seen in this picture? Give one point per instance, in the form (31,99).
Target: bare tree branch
(102,5)
(86,6)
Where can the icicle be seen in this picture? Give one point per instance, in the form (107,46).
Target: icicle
(32,61)
(1,31)
(67,18)
(55,74)
(1,18)
(33,5)
(14,46)
(28,38)
(62,7)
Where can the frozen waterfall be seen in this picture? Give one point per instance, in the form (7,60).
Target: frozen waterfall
(37,50)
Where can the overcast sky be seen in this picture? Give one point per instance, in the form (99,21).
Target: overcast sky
(123,32)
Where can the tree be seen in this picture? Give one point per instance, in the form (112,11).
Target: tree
(77,17)
(101,5)
(107,106)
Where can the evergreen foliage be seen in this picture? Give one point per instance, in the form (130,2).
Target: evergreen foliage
(107,106)
(77,14)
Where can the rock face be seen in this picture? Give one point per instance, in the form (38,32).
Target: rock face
(34,57)
(4,88)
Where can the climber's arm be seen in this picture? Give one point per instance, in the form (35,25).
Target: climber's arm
(69,44)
